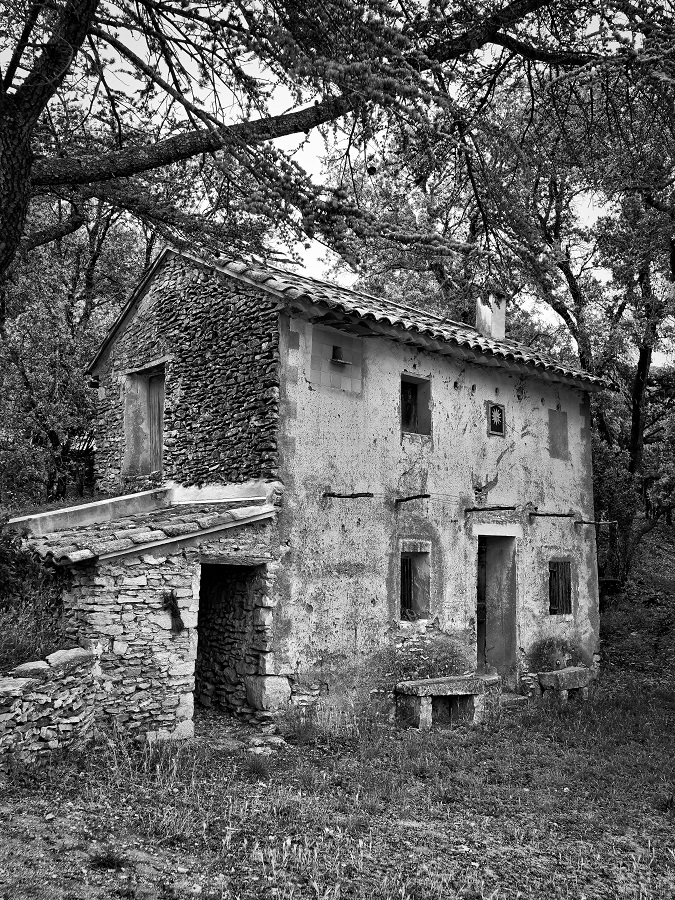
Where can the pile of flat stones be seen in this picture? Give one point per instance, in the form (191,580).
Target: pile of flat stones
(46,705)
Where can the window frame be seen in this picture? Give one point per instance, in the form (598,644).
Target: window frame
(415,585)
(144,406)
(422,392)
(489,407)
(560,587)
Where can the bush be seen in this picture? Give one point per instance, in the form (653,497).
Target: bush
(422,655)
(31,620)
(552,653)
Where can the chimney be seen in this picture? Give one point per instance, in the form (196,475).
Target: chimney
(491,316)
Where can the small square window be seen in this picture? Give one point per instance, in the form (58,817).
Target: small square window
(559,588)
(415,578)
(495,419)
(415,405)
(338,356)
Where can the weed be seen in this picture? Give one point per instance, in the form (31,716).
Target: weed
(108,858)
(257,766)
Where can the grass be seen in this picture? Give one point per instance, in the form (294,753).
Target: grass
(574,802)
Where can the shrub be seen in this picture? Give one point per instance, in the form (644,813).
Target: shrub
(552,653)
(31,622)
(422,655)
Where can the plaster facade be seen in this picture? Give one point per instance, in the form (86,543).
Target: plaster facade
(340,579)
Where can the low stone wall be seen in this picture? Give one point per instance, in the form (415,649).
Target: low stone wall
(148,656)
(47,705)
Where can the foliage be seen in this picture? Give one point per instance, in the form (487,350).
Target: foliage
(58,304)
(428,654)
(30,605)
(552,653)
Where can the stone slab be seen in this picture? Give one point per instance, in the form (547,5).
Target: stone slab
(14,687)
(268,692)
(570,678)
(448,686)
(63,659)
(37,669)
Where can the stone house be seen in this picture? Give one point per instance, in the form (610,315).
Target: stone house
(302,475)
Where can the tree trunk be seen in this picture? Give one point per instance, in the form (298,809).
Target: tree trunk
(15,164)
(637,425)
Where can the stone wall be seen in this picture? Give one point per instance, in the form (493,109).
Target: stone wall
(47,705)
(218,343)
(147,664)
(234,626)
(147,655)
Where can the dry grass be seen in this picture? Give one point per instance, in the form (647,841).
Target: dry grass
(573,802)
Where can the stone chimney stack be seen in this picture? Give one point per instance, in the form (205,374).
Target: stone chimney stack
(491,316)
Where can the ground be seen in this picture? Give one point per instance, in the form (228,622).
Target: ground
(571,802)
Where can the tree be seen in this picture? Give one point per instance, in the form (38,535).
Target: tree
(95,97)
(60,300)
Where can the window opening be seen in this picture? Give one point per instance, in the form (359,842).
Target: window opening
(495,415)
(156,420)
(559,588)
(338,356)
(414,586)
(415,405)
(144,422)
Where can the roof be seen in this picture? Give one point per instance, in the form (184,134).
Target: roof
(142,531)
(389,319)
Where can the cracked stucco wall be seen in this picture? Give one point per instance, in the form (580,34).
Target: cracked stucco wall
(339,586)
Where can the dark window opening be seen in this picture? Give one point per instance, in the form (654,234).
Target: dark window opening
(495,416)
(156,420)
(559,588)
(414,586)
(338,356)
(415,405)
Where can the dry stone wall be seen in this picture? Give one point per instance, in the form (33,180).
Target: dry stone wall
(218,341)
(147,655)
(47,705)
(235,631)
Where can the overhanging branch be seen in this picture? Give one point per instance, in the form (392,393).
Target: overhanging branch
(133,161)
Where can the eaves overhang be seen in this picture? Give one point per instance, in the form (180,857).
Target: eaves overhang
(369,316)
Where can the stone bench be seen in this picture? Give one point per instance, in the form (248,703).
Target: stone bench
(444,701)
(570,683)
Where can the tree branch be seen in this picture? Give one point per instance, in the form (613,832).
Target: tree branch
(132,161)
(54,62)
(53,232)
(489,32)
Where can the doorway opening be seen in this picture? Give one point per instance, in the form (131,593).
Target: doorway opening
(496,607)
(228,645)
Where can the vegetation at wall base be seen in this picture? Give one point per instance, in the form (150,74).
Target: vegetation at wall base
(31,621)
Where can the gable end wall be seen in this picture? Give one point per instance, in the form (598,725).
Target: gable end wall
(219,340)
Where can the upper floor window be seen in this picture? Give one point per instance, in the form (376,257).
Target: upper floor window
(496,422)
(415,405)
(558,440)
(144,421)
(337,360)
